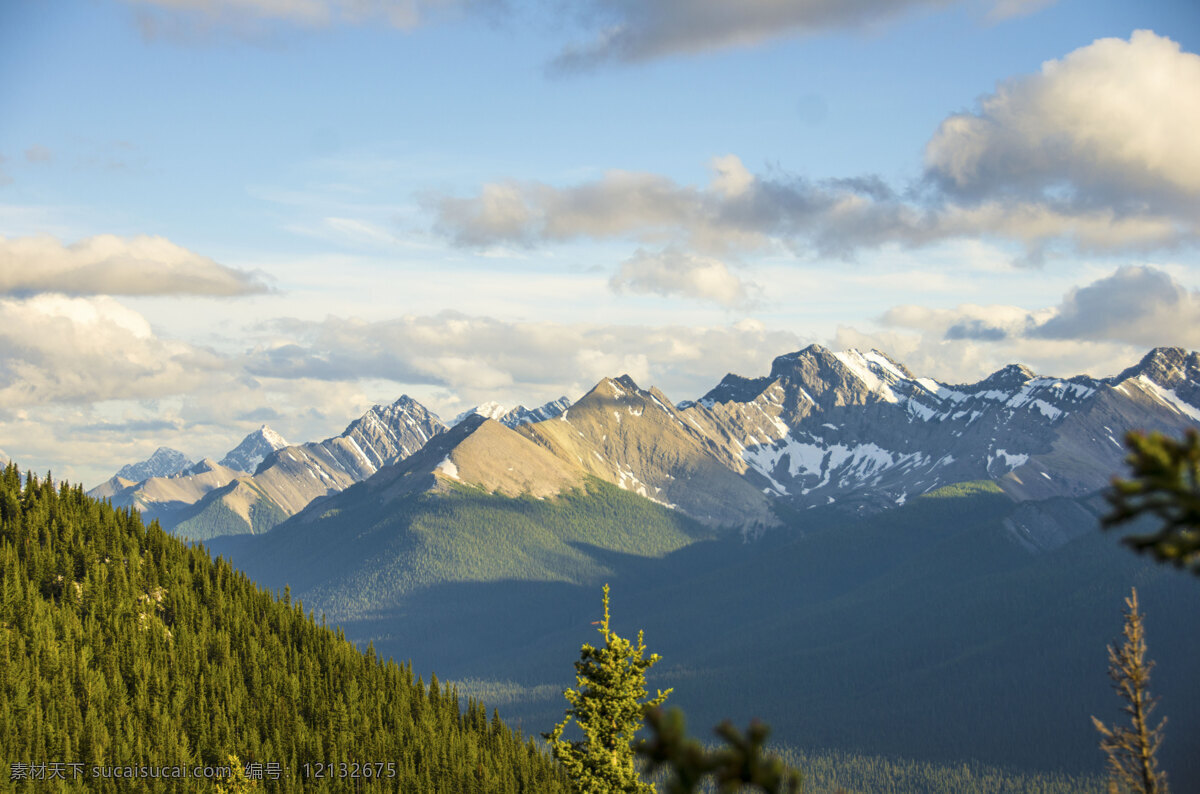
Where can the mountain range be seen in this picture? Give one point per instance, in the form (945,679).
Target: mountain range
(163,463)
(853,429)
(868,559)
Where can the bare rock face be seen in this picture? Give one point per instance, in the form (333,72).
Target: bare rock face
(638,440)
(287,478)
(853,429)
(163,463)
(515,417)
(247,455)
(861,430)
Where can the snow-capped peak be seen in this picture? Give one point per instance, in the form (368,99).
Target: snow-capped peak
(875,370)
(253,449)
(488,410)
(163,463)
(512,417)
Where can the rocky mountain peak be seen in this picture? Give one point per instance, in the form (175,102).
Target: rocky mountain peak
(1011,377)
(1166,366)
(515,417)
(810,358)
(163,463)
(491,410)
(253,449)
(627,382)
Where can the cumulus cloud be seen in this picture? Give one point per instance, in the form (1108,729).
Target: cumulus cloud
(1094,327)
(617,204)
(481,358)
(111,265)
(673,272)
(736,211)
(1095,153)
(59,349)
(1141,305)
(969,360)
(1111,123)
(640,30)
(966,321)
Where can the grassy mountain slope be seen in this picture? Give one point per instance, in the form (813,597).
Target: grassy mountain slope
(362,558)
(121,646)
(934,632)
(230,510)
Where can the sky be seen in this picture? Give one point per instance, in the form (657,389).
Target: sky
(216,214)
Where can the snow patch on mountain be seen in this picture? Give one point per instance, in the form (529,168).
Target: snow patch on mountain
(448,468)
(163,463)
(850,464)
(514,417)
(1008,459)
(861,366)
(1169,397)
(253,449)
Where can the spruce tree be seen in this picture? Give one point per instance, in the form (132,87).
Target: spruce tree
(1131,750)
(609,706)
(1165,484)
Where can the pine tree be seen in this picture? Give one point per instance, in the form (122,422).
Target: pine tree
(609,707)
(1166,485)
(740,762)
(1131,750)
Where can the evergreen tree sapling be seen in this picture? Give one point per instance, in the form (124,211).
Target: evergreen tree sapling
(1165,484)
(1131,750)
(738,763)
(609,706)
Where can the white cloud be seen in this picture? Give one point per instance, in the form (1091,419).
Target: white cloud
(1112,122)
(1100,328)
(1139,305)
(735,211)
(1094,153)
(673,272)
(59,349)
(480,358)
(969,360)
(111,265)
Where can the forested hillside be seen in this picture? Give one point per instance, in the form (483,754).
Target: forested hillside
(121,646)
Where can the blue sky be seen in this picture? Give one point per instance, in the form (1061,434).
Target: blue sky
(223,213)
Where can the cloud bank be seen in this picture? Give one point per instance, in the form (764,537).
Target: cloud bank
(1094,153)
(480,358)
(1112,125)
(678,273)
(55,349)
(111,265)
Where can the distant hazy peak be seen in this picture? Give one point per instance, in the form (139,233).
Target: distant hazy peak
(514,417)
(490,410)
(1165,366)
(1011,376)
(253,449)
(163,463)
